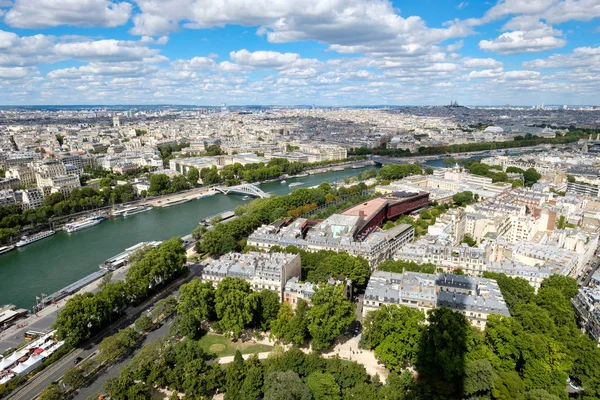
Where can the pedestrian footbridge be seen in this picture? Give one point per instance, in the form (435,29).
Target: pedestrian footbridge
(246,189)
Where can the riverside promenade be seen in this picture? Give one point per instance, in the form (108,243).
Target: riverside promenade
(43,320)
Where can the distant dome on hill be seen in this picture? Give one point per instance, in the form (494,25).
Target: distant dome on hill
(494,129)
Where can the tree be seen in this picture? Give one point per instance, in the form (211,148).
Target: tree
(508,386)
(428,171)
(199,231)
(469,241)
(479,378)
(113,347)
(268,308)
(323,386)
(330,315)
(394,332)
(196,304)
(235,305)
(514,290)
(52,392)
(159,184)
(178,183)
(285,386)
(73,378)
(143,323)
(253,382)
(531,176)
(193,175)
(443,348)
(235,374)
(464,198)
(565,284)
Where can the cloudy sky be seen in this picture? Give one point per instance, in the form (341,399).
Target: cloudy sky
(286,52)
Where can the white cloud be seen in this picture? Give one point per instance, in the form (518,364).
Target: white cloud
(462,5)
(47,13)
(17,72)
(347,26)
(501,75)
(481,63)
(263,59)
(581,57)
(515,42)
(455,46)
(42,49)
(105,50)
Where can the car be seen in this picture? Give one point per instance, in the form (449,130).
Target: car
(77,360)
(155,327)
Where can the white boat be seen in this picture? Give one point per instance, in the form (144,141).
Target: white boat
(121,212)
(86,223)
(137,210)
(246,198)
(6,249)
(25,240)
(296,184)
(283,181)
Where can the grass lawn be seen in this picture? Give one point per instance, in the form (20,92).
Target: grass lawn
(222,346)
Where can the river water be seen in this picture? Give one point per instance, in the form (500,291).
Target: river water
(53,263)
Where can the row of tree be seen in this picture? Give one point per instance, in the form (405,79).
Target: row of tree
(230,236)
(13,218)
(529,355)
(276,167)
(162,184)
(86,314)
(183,367)
(571,136)
(530,175)
(398,171)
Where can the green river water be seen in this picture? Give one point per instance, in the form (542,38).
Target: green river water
(53,263)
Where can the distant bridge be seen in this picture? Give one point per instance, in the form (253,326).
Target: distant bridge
(246,189)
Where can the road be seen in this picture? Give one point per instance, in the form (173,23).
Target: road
(55,371)
(113,371)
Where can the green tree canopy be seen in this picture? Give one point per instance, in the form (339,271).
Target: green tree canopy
(330,315)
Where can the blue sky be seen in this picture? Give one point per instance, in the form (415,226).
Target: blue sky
(281,52)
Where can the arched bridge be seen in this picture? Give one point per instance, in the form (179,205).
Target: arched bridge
(247,189)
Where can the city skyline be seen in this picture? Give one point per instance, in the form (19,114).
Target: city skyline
(338,53)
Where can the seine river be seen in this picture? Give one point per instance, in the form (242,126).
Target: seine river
(53,263)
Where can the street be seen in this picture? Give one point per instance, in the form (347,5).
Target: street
(55,371)
(113,370)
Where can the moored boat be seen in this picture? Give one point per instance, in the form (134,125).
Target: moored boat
(6,249)
(25,240)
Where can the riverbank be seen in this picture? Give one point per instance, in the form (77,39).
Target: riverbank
(50,264)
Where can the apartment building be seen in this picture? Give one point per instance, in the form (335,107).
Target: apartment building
(264,271)
(440,252)
(32,198)
(23,173)
(7,197)
(475,298)
(587,310)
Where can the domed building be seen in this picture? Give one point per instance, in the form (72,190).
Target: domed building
(496,130)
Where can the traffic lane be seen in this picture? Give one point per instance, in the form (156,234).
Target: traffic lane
(96,386)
